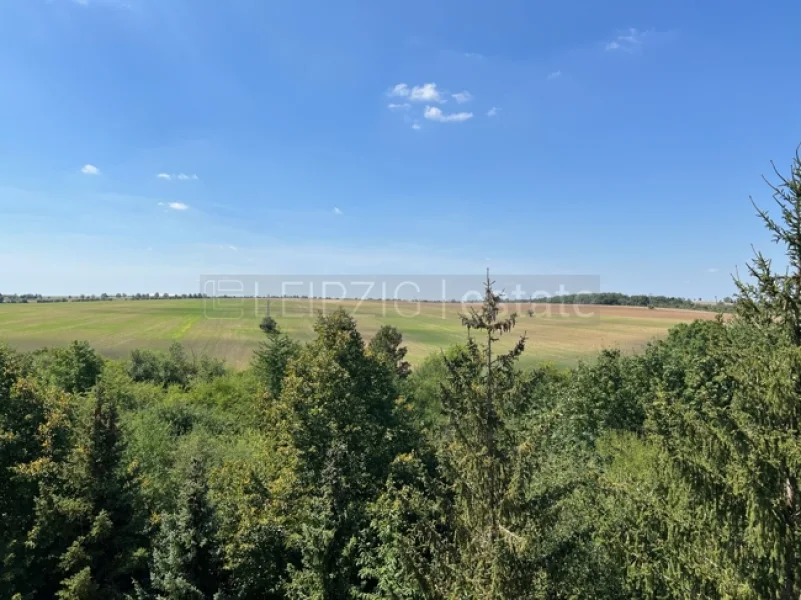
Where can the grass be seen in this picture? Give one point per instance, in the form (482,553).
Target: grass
(228,328)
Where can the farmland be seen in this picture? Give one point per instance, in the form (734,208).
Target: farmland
(228,328)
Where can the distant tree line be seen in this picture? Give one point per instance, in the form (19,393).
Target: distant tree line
(19,298)
(600,298)
(40,299)
(618,299)
(158,296)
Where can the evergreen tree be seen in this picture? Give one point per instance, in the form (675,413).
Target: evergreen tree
(471,524)
(773,297)
(34,439)
(186,557)
(272,357)
(88,525)
(776,299)
(484,400)
(725,412)
(257,503)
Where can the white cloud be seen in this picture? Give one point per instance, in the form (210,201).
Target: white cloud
(416,126)
(425,93)
(432,113)
(462,97)
(712,270)
(90,170)
(178,206)
(337,211)
(629,41)
(404,106)
(554,75)
(178,176)
(399,91)
(493,112)
(473,55)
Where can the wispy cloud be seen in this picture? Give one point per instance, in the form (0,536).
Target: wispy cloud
(462,97)
(179,177)
(433,113)
(416,126)
(403,106)
(712,270)
(427,92)
(337,211)
(475,55)
(493,112)
(630,41)
(90,170)
(118,4)
(178,206)
(554,75)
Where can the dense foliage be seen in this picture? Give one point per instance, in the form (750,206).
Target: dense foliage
(332,469)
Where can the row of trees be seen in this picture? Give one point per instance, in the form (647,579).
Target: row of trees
(603,298)
(332,469)
(18,298)
(617,299)
(39,298)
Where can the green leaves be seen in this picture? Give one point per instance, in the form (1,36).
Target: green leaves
(271,361)
(75,369)
(338,410)
(88,528)
(386,348)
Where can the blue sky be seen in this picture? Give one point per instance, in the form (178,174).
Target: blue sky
(619,139)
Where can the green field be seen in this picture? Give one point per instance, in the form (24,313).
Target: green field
(229,328)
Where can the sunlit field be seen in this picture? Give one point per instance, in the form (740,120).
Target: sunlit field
(228,328)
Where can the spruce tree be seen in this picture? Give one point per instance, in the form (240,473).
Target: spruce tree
(483,399)
(88,521)
(774,299)
(272,357)
(186,557)
(725,410)
(466,522)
